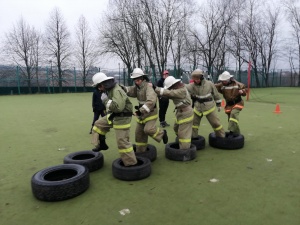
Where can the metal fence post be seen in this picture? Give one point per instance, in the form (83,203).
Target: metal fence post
(75,79)
(119,74)
(153,73)
(48,81)
(52,77)
(18,80)
(124,76)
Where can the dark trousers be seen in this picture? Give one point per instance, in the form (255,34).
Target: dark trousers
(97,113)
(163,106)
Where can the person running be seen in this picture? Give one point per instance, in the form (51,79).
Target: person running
(146,111)
(206,103)
(119,115)
(232,91)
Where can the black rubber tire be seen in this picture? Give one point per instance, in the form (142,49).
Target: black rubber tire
(60,182)
(173,152)
(150,153)
(231,143)
(92,160)
(199,142)
(131,173)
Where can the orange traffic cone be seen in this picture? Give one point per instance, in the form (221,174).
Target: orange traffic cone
(223,103)
(277,109)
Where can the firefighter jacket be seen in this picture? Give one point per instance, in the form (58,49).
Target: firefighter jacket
(231,94)
(182,101)
(119,108)
(147,99)
(206,97)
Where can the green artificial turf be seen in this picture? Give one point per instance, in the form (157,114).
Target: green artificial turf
(257,185)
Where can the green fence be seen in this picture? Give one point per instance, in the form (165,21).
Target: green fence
(13,80)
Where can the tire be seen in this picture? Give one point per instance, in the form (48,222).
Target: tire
(150,152)
(173,152)
(131,173)
(228,143)
(199,142)
(60,182)
(92,160)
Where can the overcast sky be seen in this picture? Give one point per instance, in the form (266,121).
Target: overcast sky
(37,12)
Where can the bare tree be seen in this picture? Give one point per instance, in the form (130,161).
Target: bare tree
(234,43)
(21,45)
(38,54)
(249,37)
(115,35)
(293,15)
(162,19)
(181,46)
(255,39)
(267,41)
(191,55)
(58,43)
(214,21)
(85,48)
(147,30)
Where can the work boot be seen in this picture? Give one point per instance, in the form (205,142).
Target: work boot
(164,124)
(165,137)
(102,145)
(231,134)
(96,149)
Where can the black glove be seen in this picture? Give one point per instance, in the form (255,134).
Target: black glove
(194,98)
(138,113)
(123,87)
(153,86)
(111,116)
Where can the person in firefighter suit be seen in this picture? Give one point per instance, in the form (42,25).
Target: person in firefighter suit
(146,111)
(232,91)
(119,114)
(176,90)
(206,103)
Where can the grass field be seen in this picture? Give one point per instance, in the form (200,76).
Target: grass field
(258,185)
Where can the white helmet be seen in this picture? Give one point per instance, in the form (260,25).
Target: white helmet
(225,76)
(137,72)
(99,78)
(169,81)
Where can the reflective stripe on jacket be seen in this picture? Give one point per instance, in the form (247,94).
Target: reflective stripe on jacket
(204,91)
(231,93)
(119,102)
(147,99)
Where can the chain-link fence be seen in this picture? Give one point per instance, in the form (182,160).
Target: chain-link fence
(13,79)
